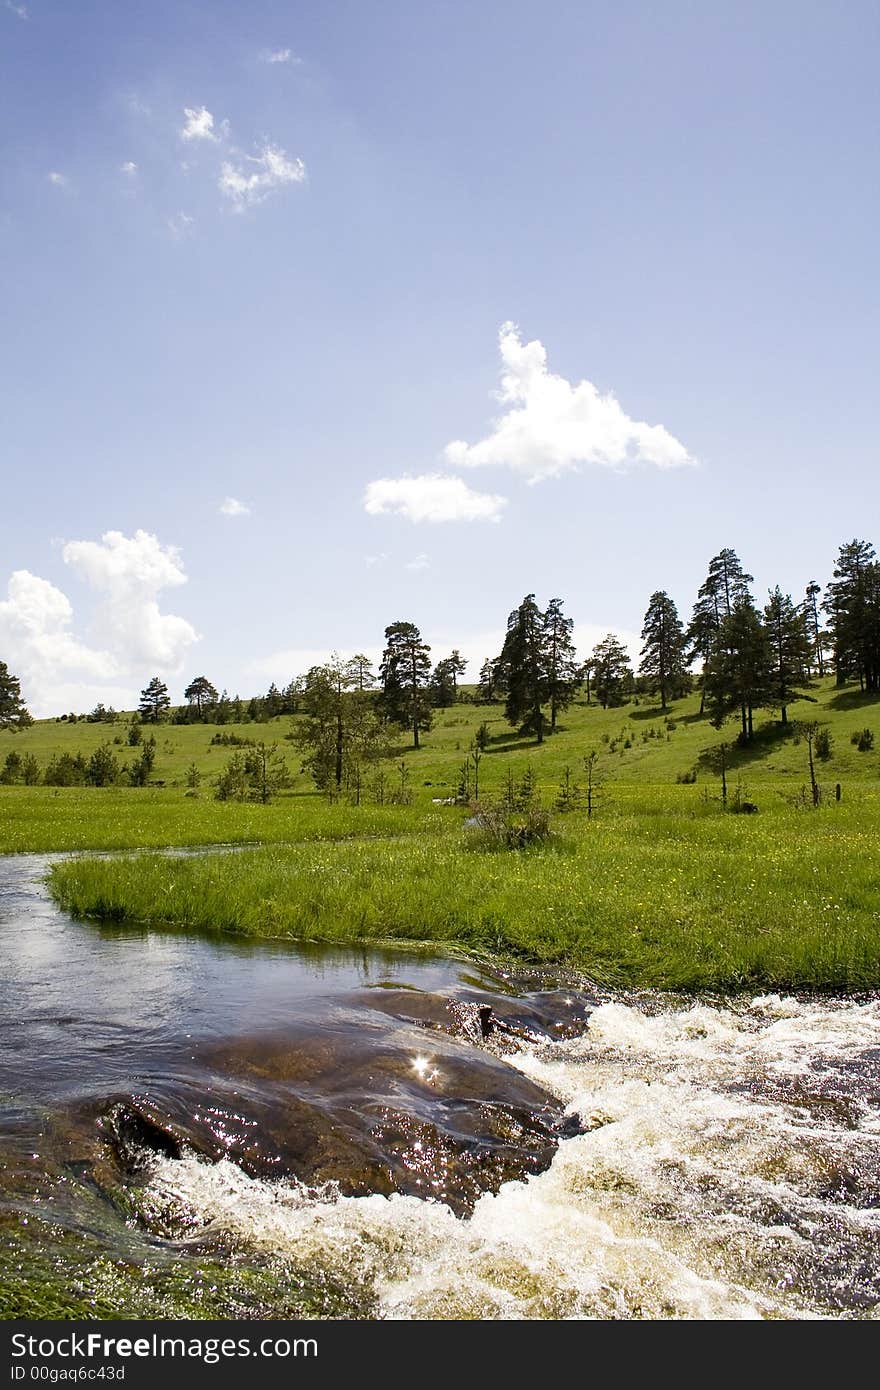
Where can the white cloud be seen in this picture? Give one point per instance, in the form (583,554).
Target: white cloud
(181,225)
(59,180)
(199,125)
(129,573)
(132,638)
(279,55)
(35,626)
(371,560)
(431,497)
(20,10)
(129,168)
(250,184)
(552,426)
(418,562)
(230,506)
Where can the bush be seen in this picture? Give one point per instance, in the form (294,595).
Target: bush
(66,771)
(863,740)
(689,776)
(823,744)
(496,827)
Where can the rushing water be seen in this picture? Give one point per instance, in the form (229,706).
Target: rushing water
(346,1134)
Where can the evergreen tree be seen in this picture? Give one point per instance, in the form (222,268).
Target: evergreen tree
(852,600)
(738,674)
(524,660)
(585,674)
(664,663)
(813,626)
(486,691)
(405,674)
(562,667)
(457,667)
(13,713)
(361,670)
(155,702)
(725,584)
(612,673)
(201,693)
(790,650)
(443,691)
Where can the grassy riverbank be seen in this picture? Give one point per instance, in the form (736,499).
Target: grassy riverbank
(663,890)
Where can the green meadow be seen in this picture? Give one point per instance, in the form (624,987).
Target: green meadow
(660,887)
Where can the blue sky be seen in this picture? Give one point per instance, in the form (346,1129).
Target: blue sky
(288,254)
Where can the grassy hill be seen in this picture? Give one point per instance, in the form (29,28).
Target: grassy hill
(661,887)
(638,745)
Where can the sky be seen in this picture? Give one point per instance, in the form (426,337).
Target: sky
(318,316)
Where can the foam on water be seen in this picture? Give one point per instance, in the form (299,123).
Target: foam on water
(730,1169)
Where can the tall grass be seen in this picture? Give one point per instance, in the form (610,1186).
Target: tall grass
(651,895)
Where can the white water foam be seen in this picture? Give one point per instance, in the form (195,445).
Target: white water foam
(720,1178)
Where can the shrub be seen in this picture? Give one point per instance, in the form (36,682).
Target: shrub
(823,744)
(494,826)
(690,775)
(102,769)
(66,771)
(863,740)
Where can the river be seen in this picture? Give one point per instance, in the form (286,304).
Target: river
(196,1126)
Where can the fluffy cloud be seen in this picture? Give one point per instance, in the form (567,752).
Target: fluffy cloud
(129,572)
(199,125)
(250,184)
(431,497)
(552,426)
(35,624)
(59,180)
(230,506)
(132,638)
(418,562)
(129,168)
(20,10)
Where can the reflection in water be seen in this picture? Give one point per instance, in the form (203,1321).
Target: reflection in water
(392,1127)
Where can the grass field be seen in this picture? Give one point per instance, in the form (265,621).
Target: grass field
(661,887)
(666,892)
(638,746)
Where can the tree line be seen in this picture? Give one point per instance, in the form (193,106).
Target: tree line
(744,658)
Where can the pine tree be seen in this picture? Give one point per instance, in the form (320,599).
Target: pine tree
(524,660)
(814,630)
(201,693)
(790,651)
(486,690)
(443,688)
(457,667)
(612,673)
(562,666)
(405,674)
(738,673)
(13,712)
(361,669)
(852,600)
(725,584)
(663,663)
(155,702)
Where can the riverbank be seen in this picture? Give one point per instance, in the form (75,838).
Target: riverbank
(663,891)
